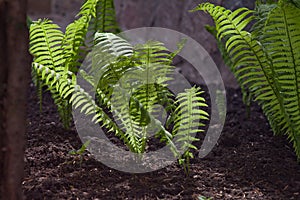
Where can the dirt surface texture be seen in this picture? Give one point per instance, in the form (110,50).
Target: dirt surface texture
(248,162)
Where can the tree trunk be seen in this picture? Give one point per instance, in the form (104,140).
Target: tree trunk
(14,80)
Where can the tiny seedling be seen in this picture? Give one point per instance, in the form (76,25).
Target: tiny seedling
(200,197)
(80,151)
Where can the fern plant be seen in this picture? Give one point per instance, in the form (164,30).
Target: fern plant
(130,81)
(63,52)
(151,67)
(266,59)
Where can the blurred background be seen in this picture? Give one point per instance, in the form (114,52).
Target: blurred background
(172,14)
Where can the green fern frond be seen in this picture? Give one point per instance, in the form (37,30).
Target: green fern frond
(188,121)
(134,132)
(109,64)
(261,15)
(61,52)
(68,89)
(45,43)
(64,108)
(39,86)
(149,75)
(154,60)
(189,115)
(266,60)
(109,50)
(112,44)
(88,8)
(74,39)
(130,84)
(250,63)
(282,39)
(296,3)
(105,20)
(111,60)
(138,82)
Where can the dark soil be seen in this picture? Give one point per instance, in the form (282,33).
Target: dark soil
(247,163)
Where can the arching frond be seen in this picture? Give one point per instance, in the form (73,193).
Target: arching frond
(281,39)
(88,8)
(188,121)
(74,39)
(105,20)
(45,43)
(265,61)
(111,59)
(154,62)
(68,89)
(45,46)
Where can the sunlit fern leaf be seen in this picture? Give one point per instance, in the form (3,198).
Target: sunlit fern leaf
(151,72)
(64,108)
(113,44)
(282,39)
(108,48)
(250,63)
(39,86)
(59,52)
(76,34)
(105,19)
(111,59)
(261,15)
(266,62)
(228,62)
(134,132)
(147,96)
(154,61)
(128,112)
(111,75)
(73,40)
(67,88)
(109,63)
(128,78)
(188,121)
(88,8)
(45,41)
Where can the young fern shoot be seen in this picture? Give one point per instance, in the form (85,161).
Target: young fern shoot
(188,122)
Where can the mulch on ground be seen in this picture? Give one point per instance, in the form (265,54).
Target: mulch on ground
(248,162)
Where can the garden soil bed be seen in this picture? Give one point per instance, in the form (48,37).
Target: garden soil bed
(247,163)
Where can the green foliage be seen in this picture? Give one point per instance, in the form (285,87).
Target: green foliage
(63,52)
(204,198)
(81,150)
(297,3)
(265,60)
(187,122)
(105,11)
(130,81)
